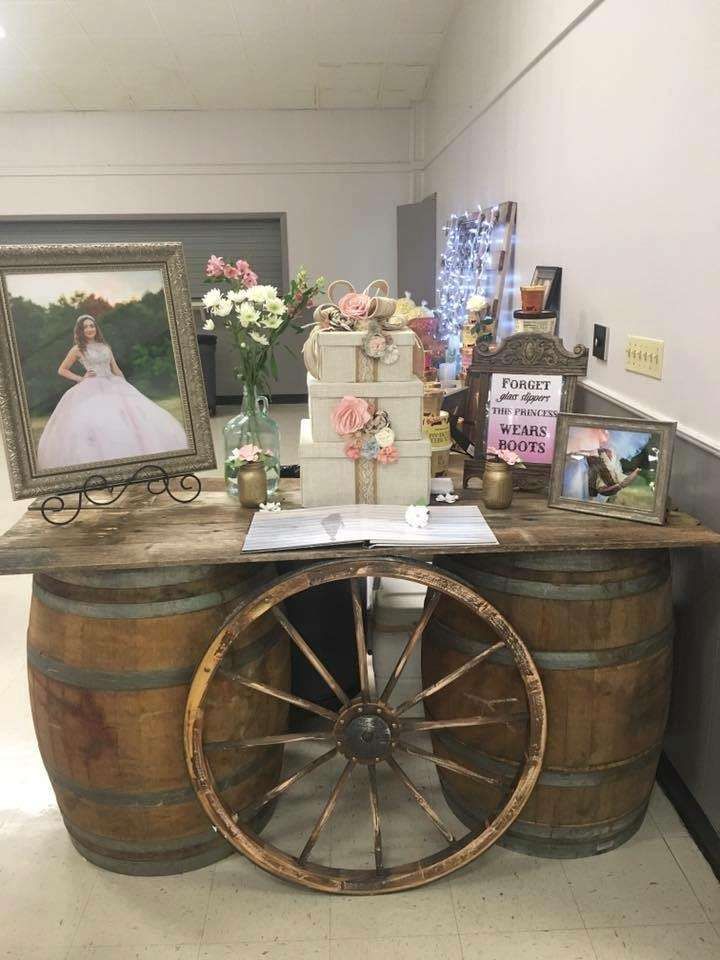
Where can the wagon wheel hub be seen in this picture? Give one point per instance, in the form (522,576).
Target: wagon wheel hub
(365,733)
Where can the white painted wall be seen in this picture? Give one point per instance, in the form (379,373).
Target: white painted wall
(337,174)
(609,143)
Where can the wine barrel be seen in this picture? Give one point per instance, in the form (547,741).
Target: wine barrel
(110,660)
(599,626)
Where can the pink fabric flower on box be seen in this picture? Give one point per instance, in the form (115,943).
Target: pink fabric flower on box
(350,415)
(354,305)
(388,454)
(215,266)
(352,451)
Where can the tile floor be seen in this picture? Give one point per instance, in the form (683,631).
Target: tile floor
(653,899)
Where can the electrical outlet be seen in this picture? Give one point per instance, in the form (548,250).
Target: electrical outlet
(645,356)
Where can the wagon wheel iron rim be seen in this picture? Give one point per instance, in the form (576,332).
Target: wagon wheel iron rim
(365,731)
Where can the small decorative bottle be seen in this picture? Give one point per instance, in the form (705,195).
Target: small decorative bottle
(255,426)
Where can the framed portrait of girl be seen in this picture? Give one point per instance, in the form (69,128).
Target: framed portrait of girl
(99,366)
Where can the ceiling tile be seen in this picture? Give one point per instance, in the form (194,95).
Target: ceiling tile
(191,19)
(368,46)
(272,16)
(395,98)
(115,18)
(347,16)
(349,76)
(346,99)
(37,18)
(153,89)
(220,52)
(54,51)
(127,53)
(411,79)
(424,16)
(29,90)
(414,47)
(11,55)
(90,88)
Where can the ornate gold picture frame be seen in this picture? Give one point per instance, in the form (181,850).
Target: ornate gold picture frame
(99,365)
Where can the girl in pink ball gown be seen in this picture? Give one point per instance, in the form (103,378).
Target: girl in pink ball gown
(103,417)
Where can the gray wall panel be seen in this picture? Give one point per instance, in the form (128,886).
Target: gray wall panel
(416,245)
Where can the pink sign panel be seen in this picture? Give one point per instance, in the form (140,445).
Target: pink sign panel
(522,414)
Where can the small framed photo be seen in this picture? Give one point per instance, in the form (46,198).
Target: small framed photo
(99,365)
(612,466)
(551,279)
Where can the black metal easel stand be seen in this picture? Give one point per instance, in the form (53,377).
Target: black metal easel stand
(156,479)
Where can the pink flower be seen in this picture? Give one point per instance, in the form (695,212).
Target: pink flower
(354,305)
(388,454)
(350,415)
(231,272)
(215,266)
(249,278)
(352,452)
(509,456)
(248,452)
(242,266)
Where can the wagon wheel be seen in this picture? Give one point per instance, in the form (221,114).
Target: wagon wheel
(366,732)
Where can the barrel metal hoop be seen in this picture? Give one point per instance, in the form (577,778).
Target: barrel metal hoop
(140,611)
(560,591)
(141,680)
(558,660)
(595,561)
(549,777)
(155,798)
(151,577)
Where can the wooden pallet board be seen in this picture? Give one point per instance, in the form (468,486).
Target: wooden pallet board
(142,530)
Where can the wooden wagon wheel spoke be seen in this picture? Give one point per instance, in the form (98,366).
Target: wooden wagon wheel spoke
(375,815)
(327,811)
(431,602)
(282,695)
(421,800)
(311,656)
(270,740)
(417,726)
(367,731)
(450,678)
(414,751)
(276,791)
(362,653)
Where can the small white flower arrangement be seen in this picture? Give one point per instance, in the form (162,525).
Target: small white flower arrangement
(272,506)
(476,303)
(417,515)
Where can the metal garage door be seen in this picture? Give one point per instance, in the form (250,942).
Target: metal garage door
(258,240)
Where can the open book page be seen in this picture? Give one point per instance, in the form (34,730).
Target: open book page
(365,523)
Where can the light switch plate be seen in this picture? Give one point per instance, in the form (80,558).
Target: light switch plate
(644,355)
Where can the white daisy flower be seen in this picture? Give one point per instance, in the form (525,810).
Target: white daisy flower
(247,313)
(222,309)
(212,298)
(259,338)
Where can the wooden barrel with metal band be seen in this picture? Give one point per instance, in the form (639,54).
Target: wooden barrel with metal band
(110,660)
(600,628)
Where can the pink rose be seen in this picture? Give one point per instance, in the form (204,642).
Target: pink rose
(249,278)
(242,266)
(215,266)
(352,451)
(248,452)
(350,415)
(375,345)
(354,305)
(231,273)
(388,454)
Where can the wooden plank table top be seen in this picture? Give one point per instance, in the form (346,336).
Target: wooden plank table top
(145,530)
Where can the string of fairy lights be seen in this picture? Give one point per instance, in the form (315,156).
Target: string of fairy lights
(463,266)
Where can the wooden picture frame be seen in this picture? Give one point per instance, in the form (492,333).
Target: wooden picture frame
(524,354)
(149,308)
(600,471)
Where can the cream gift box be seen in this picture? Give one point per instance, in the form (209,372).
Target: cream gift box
(338,357)
(403,402)
(329,478)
